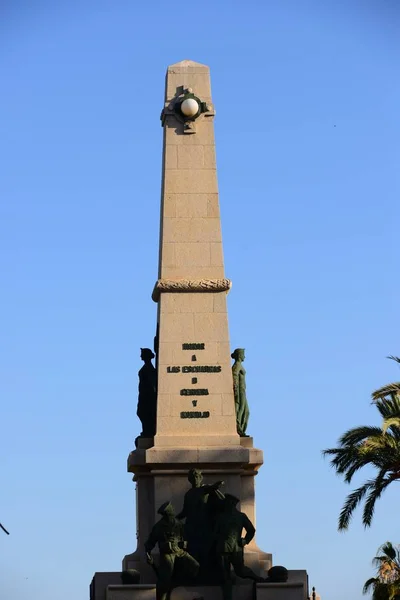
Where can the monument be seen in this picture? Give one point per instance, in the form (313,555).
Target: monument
(192,536)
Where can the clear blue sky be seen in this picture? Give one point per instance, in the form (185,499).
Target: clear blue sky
(307,96)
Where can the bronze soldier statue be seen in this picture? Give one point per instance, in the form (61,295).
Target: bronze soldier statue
(239,391)
(230,523)
(147,402)
(168,534)
(198,513)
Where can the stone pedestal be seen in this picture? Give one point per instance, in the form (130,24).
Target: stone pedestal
(292,590)
(161,475)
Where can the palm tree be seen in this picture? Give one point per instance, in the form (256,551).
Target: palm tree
(386,585)
(370,446)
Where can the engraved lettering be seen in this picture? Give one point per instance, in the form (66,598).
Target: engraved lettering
(195,369)
(194,414)
(194,392)
(201,369)
(193,346)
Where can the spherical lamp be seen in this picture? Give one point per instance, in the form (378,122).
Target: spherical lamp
(190,107)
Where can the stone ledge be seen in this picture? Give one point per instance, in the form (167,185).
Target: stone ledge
(190,285)
(167,458)
(283,585)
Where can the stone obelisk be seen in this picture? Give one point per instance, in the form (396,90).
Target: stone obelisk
(195,405)
(196,420)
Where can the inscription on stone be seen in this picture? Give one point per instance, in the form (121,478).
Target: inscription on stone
(193,346)
(194,392)
(195,369)
(194,414)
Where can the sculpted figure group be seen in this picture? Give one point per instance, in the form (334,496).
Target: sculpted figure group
(147,401)
(207,545)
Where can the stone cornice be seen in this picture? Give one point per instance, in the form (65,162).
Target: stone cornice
(177,286)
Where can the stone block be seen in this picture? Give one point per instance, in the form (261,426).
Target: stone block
(191,205)
(131,592)
(219,302)
(192,254)
(228,404)
(163,402)
(169,205)
(171,158)
(100,582)
(190,181)
(209,157)
(213,206)
(189,157)
(187,66)
(204,135)
(187,303)
(168,254)
(216,256)
(198,81)
(177,327)
(280,591)
(192,439)
(244,591)
(187,271)
(192,230)
(211,327)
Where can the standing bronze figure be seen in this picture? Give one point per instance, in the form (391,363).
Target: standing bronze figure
(174,560)
(197,511)
(147,401)
(239,390)
(230,523)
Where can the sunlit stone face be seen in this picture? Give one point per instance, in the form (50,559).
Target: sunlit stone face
(190,107)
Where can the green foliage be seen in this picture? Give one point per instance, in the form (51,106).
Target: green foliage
(374,446)
(386,584)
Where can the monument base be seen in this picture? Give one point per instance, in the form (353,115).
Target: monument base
(296,588)
(160,474)
(107,586)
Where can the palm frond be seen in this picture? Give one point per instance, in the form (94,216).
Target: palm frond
(389,552)
(392,422)
(351,503)
(388,406)
(369,584)
(356,435)
(379,485)
(386,390)
(395,358)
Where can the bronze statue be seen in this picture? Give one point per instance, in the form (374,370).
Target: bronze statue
(198,514)
(168,534)
(230,523)
(239,390)
(147,402)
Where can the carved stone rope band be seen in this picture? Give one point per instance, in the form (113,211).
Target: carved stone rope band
(190,286)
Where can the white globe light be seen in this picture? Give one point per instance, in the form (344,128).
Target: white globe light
(190,107)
